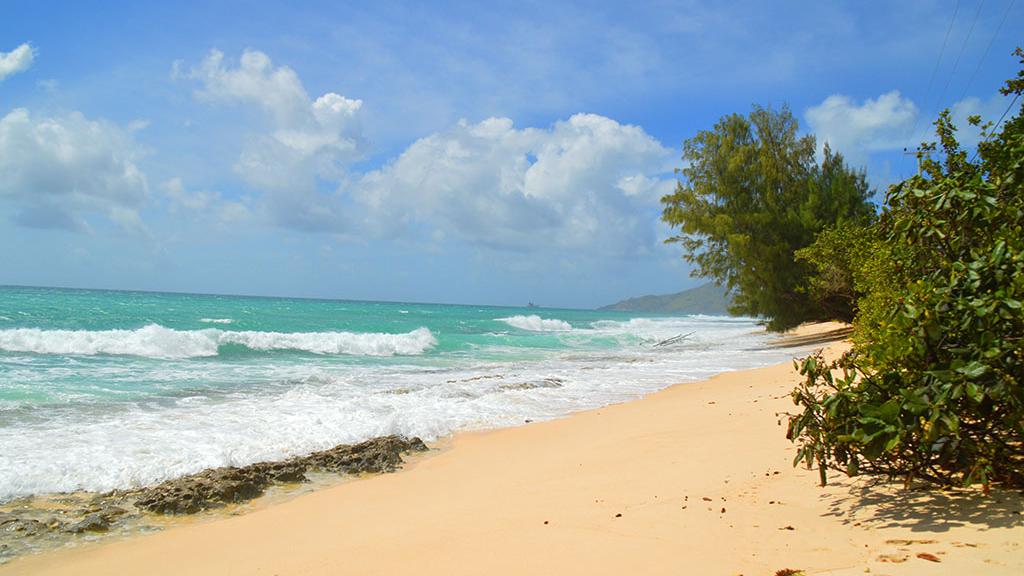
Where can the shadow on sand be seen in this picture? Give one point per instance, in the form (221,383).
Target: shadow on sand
(792,341)
(883,504)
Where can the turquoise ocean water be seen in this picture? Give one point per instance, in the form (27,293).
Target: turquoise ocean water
(105,389)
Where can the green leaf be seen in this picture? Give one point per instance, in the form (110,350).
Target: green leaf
(973,370)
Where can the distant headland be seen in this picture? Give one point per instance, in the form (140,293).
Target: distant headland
(706,299)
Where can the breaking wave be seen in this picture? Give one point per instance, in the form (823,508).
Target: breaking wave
(535,323)
(155,341)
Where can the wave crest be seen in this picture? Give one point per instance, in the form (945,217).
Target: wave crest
(534,323)
(155,341)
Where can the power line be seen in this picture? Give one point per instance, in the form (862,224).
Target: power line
(984,54)
(931,81)
(994,128)
(963,47)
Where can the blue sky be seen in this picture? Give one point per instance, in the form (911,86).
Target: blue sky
(448,152)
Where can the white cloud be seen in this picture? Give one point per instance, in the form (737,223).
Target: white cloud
(255,81)
(585,182)
(307,140)
(990,110)
(203,204)
(891,122)
(58,169)
(17,60)
(856,130)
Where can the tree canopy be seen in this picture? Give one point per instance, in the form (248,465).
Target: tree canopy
(751,194)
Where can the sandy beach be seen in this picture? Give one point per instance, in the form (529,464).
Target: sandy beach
(695,479)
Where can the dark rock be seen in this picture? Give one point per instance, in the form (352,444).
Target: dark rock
(23,526)
(95,522)
(382,454)
(207,489)
(96,519)
(218,486)
(280,472)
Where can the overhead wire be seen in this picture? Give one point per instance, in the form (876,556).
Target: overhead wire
(992,132)
(988,48)
(931,81)
(963,48)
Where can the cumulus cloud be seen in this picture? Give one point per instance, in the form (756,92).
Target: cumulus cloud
(17,60)
(56,170)
(856,130)
(307,140)
(585,182)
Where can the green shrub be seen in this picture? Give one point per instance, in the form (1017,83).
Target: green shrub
(840,257)
(933,388)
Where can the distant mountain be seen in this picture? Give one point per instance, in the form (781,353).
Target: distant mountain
(706,299)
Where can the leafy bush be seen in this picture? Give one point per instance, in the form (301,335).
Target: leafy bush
(841,258)
(933,388)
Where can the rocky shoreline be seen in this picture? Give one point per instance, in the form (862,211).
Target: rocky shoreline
(32,524)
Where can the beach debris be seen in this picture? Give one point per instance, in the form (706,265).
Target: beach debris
(903,542)
(789,572)
(787,528)
(673,340)
(928,557)
(619,515)
(216,487)
(549,382)
(476,378)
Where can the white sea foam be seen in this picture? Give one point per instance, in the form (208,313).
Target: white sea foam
(534,323)
(155,341)
(281,408)
(216,320)
(415,342)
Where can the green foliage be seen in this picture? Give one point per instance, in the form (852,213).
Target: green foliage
(933,388)
(841,259)
(752,194)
